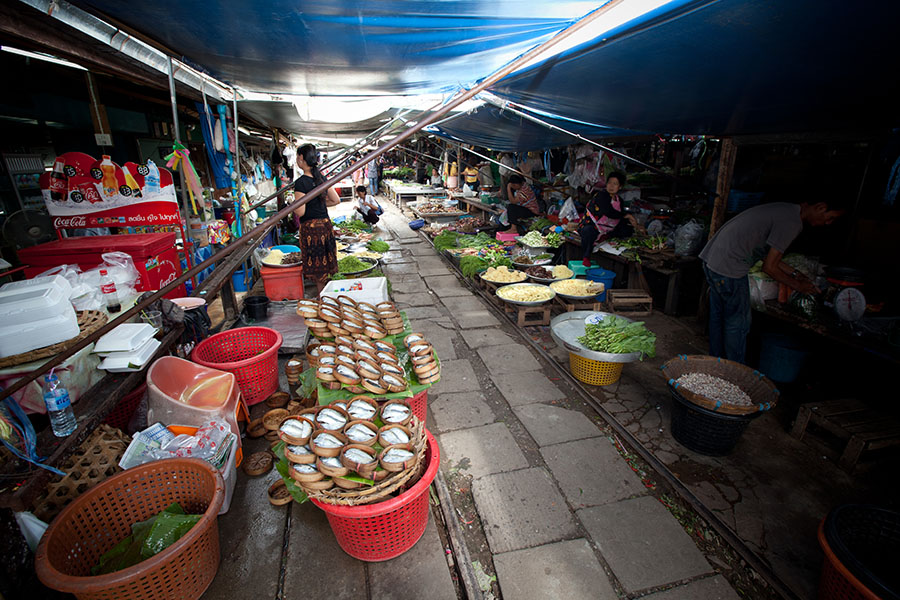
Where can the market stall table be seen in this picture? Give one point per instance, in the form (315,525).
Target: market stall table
(400,192)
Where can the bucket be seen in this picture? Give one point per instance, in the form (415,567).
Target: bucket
(781,357)
(385,530)
(257,307)
(704,431)
(287,248)
(601,276)
(282,283)
(237,280)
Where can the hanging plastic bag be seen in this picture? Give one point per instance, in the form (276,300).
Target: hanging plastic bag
(569,210)
(689,238)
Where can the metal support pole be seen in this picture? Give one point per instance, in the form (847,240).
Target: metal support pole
(237,169)
(187,243)
(255,235)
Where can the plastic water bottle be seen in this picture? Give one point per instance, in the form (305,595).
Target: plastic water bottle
(110,296)
(151,181)
(59,407)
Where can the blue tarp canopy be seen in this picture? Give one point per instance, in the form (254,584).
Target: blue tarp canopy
(729,67)
(372,47)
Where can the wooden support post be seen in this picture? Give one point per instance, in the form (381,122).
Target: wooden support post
(98,113)
(229,300)
(727,154)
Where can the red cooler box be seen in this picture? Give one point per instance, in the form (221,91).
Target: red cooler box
(154,256)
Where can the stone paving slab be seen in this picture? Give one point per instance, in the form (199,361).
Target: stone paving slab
(250,536)
(312,552)
(433,271)
(526,388)
(421,299)
(409,286)
(460,411)
(466,304)
(424,250)
(550,425)
(475,319)
(424,312)
(456,376)
(421,572)
(393,270)
(482,451)
(522,509)
(565,570)
(643,543)
(591,472)
(447,285)
(486,337)
(713,588)
(513,358)
(440,326)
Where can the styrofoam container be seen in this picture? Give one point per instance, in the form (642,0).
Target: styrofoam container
(127,337)
(57,280)
(374,289)
(229,475)
(35,316)
(126,362)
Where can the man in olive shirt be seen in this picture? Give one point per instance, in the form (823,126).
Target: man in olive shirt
(759,233)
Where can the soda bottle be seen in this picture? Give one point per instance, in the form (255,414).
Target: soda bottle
(59,183)
(109,184)
(110,297)
(151,181)
(131,183)
(59,407)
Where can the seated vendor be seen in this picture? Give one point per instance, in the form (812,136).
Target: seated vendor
(603,214)
(368,206)
(523,203)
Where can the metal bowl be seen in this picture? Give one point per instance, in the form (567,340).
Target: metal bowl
(551,280)
(520,303)
(504,282)
(568,327)
(571,297)
(364,271)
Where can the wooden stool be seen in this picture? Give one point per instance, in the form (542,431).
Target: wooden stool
(529,315)
(570,305)
(860,428)
(630,303)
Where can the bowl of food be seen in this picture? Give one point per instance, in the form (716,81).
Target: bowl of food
(527,260)
(549,274)
(356,265)
(526,294)
(503,274)
(577,289)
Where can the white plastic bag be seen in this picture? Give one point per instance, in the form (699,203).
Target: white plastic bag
(31,527)
(120,267)
(689,238)
(467,191)
(569,210)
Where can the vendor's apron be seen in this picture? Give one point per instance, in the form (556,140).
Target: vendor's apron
(604,224)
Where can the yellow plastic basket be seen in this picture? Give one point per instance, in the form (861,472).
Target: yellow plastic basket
(594,372)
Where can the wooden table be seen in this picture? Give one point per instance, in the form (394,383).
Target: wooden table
(404,193)
(483,209)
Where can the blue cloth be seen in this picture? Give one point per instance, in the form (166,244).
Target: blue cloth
(729,315)
(589,235)
(373,186)
(216,159)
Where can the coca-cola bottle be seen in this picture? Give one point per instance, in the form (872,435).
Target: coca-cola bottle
(110,296)
(59,183)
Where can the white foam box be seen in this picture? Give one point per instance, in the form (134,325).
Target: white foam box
(35,316)
(374,289)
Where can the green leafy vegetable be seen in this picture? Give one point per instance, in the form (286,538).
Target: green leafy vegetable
(353,227)
(555,240)
(445,240)
(533,238)
(352,264)
(619,336)
(472,265)
(540,223)
(378,245)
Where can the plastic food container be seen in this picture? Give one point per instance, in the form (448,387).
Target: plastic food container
(374,289)
(35,316)
(125,362)
(127,337)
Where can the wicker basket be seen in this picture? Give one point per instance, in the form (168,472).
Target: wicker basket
(99,518)
(759,387)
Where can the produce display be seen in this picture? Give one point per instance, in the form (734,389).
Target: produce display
(539,272)
(526,292)
(352,445)
(277,257)
(353,228)
(581,288)
(468,225)
(352,264)
(367,254)
(503,274)
(330,317)
(714,388)
(434,208)
(536,240)
(562,272)
(540,223)
(616,335)
(525,259)
(378,245)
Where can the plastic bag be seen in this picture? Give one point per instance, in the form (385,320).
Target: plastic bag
(31,527)
(689,238)
(205,443)
(569,210)
(503,218)
(120,268)
(467,191)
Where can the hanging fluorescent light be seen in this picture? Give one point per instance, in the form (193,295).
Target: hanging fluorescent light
(41,56)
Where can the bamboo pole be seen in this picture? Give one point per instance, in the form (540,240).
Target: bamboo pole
(727,155)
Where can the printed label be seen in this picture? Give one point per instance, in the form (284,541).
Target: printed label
(57,400)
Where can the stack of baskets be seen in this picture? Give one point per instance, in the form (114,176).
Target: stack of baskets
(707,426)
(250,353)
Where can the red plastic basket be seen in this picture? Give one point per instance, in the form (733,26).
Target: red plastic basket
(250,353)
(121,414)
(836,581)
(419,405)
(385,530)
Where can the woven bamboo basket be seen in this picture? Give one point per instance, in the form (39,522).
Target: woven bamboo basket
(759,387)
(387,486)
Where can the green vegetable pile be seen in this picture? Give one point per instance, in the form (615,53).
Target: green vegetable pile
(353,227)
(472,265)
(496,258)
(445,240)
(147,538)
(540,223)
(352,264)
(533,238)
(378,245)
(555,240)
(619,336)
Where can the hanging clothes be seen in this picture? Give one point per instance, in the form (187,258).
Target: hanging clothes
(216,158)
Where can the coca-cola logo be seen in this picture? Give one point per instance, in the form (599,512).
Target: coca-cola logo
(63,222)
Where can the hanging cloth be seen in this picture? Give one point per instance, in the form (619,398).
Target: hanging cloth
(216,159)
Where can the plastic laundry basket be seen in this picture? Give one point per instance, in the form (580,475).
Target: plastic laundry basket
(385,530)
(594,372)
(102,516)
(250,353)
(419,405)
